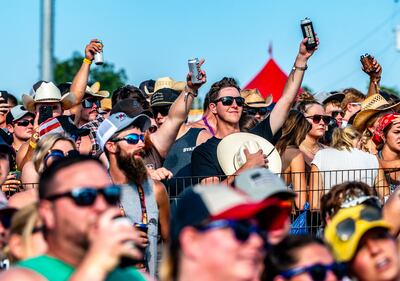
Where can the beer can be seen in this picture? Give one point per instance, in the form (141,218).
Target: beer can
(368,63)
(194,68)
(98,57)
(308,31)
(141,226)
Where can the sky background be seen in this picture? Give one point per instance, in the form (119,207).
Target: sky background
(154,38)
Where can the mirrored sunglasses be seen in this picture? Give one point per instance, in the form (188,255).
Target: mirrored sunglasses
(88,103)
(131,138)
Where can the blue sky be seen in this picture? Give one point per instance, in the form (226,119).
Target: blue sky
(154,38)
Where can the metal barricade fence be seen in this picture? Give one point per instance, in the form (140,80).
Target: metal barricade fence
(309,186)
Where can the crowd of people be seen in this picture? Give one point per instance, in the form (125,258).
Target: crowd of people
(303,188)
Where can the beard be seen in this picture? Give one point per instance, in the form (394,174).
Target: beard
(134,168)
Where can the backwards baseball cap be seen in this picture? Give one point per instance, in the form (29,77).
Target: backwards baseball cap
(261,183)
(347,228)
(61,124)
(205,203)
(163,97)
(130,107)
(119,121)
(16,113)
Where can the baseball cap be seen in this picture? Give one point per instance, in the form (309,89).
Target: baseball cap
(261,183)
(16,113)
(163,97)
(131,107)
(347,228)
(118,122)
(205,203)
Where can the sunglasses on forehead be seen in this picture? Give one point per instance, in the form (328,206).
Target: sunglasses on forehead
(88,103)
(25,122)
(130,139)
(316,119)
(254,110)
(318,272)
(86,196)
(228,101)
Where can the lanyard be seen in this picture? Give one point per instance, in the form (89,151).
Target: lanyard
(142,205)
(208,125)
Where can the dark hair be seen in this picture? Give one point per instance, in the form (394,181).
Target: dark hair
(304,106)
(247,122)
(351,95)
(46,179)
(219,85)
(283,256)
(331,202)
(130,91)
(294,131)
(206,102)
(12,99)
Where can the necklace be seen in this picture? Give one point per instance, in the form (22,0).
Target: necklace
(313,150)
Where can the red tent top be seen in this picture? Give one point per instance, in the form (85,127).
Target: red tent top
(270,80)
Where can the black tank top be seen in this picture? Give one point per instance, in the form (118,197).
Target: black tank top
(178,161)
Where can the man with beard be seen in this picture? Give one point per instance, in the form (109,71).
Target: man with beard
(145,202)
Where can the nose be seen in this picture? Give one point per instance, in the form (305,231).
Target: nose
(330,276)
(256,241)
(100,204)
(373,247)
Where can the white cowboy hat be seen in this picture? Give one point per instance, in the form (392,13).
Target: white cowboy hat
(94,91)
(46,92)
(230,152)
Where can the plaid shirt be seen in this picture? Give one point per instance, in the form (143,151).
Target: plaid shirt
(93,126)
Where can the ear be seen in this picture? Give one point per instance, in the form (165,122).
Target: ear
(189,240)
(213,107)
(16,247)
(111,147)
(46,212)
(10,128)
(349,107)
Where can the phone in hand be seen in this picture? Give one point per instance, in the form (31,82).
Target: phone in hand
(45,112)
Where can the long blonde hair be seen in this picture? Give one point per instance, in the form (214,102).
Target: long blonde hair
(342,138)
(44,145)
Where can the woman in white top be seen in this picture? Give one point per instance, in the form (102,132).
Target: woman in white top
(342,162)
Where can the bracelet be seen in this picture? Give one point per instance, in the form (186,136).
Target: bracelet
(87,61)
(303,68)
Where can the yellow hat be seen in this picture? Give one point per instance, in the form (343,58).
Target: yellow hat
(347,228)
(105,104)
(253,98)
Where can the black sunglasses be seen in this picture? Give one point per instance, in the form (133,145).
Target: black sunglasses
(5,220)
(318,271)
(57,154)
(242,229)
(336,113)
(228,101)
(346,228)
(88,103)
(25,122)
(254,110)
(131,138)
(317,118)
(86,196)
(163,110)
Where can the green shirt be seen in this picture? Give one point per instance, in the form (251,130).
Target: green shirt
(56,270)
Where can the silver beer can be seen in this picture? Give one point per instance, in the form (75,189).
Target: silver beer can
(194,68)
(98,57)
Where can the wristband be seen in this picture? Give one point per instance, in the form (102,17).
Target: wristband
(87,61)
(303,68)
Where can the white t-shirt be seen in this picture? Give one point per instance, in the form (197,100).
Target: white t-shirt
(338,166)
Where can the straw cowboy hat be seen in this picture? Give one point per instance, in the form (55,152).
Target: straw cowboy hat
(166,82)
(46,92)
(371,105)
(230,152)
(253,98)
(94,91)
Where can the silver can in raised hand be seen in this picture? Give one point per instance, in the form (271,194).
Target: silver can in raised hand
(98,57)
(194,68)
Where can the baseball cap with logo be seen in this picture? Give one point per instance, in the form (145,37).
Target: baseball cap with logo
(348,226)
(204,203)
(119,121)
(16,113)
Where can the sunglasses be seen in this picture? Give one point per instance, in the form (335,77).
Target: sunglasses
(254,110)
(318,271)
(25,122)
(317,118)
(163,110)
(346,228)
(228,101)
(86,196)
(88,103)
(130,139)
(5,220)
(58,154)
(336,113)
(242,229)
